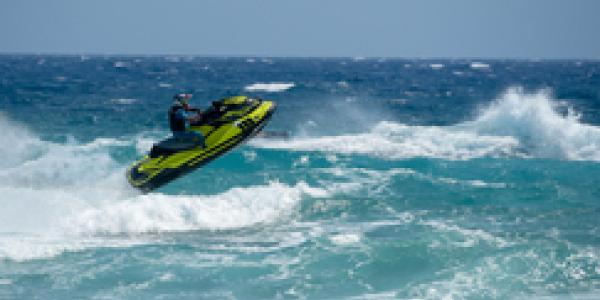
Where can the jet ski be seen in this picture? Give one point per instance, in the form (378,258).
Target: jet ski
(226,124)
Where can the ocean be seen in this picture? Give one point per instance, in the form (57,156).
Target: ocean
(400,179)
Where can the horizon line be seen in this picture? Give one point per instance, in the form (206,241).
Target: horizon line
(357,57)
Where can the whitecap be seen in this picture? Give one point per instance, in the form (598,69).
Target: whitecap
(541,130)
(270,87)
(124,101)
(236,208)
(389,140)
(343,84)
(73,196)
(345,239)
(121,64)
(516,124)
(479,65)
(470,237)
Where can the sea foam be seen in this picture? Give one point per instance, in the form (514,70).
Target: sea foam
(70,197)
(515,124)
(389,140)
(534,120)
(236,208)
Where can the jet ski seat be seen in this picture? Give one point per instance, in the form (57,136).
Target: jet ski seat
(170,146)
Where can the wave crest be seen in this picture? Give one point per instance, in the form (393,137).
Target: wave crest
(236,208)
(516,124)
(68,197)
(390,140)
(534,120)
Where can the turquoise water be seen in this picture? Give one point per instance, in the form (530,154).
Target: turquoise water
(402,179)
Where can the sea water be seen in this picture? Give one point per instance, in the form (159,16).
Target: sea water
(400,179)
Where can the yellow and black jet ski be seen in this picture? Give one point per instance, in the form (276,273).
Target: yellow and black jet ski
(226,124)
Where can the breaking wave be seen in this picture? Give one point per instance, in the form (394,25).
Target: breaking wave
(68,197)
(535,121)
(516,124)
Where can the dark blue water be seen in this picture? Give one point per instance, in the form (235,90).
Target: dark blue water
(402,179)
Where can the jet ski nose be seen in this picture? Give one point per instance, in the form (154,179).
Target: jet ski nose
(136,175)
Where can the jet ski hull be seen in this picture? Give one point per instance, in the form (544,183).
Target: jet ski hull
(237,119)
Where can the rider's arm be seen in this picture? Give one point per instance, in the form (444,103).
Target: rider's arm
(182,115)
(192,117)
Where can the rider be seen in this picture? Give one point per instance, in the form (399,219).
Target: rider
(180,117)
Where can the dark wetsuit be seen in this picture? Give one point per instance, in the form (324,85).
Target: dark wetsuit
(180,125)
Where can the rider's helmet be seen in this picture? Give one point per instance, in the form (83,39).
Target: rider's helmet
(182,98)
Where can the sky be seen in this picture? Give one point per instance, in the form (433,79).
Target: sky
(307,28)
